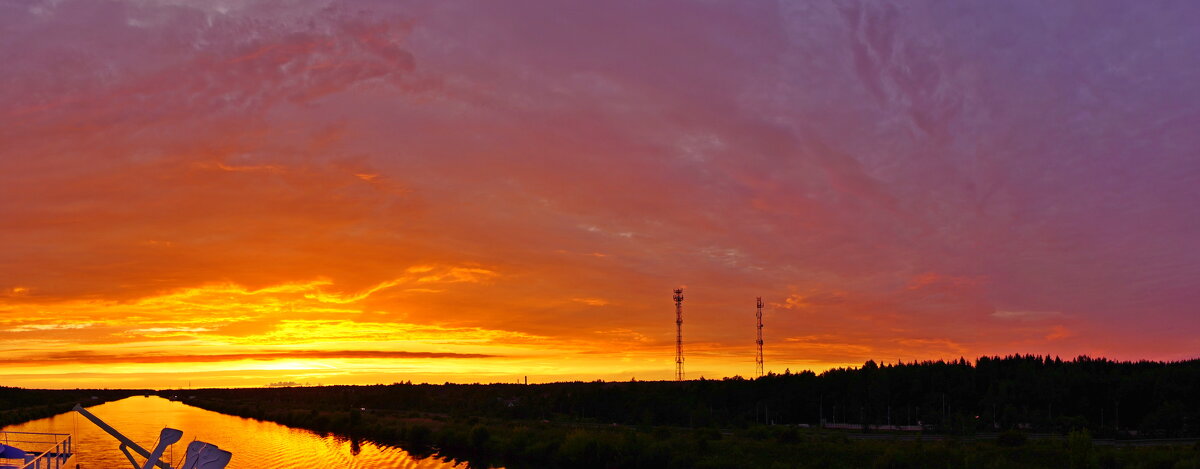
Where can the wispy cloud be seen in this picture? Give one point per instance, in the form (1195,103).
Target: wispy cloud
(1026,315)
(85,358)
(49,327)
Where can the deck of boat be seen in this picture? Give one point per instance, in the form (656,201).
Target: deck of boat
(32,450)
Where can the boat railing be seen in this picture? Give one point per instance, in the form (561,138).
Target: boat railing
(55,449)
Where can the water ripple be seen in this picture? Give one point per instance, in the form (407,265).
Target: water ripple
(255,444)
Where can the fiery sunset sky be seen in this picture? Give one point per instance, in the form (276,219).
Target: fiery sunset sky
(236,192)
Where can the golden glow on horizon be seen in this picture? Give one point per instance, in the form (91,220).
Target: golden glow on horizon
(226,334)
(317,330)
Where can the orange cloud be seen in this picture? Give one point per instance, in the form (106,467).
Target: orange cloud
(1059,332)
(94,358)
(590,301)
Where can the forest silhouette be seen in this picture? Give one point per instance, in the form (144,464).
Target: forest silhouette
(1016,411)
(1036,393)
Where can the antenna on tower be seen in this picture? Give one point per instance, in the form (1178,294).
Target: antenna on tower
(758,362)
(678,334)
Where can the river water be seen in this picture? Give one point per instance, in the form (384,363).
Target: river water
(254,444)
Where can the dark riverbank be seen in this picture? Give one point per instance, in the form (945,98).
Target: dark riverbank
(760,423)
(534,444)
(19,405)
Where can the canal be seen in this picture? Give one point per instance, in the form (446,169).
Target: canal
(254,444)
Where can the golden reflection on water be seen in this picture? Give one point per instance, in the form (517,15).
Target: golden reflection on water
(254,444)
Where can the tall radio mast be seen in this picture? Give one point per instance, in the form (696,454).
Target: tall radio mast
(758,363)
(678,334)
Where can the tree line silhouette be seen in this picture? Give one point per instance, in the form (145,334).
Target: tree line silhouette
(18,405)
(1026,392)
(1012,412)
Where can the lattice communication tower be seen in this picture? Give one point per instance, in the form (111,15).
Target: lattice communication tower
(678,334)
(758,362)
